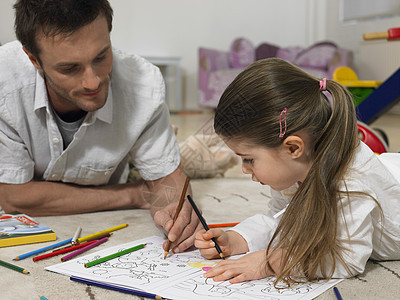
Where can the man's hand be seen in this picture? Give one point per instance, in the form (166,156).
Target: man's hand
(181,233)
(163,196)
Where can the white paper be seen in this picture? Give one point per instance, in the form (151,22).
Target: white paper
(179,276)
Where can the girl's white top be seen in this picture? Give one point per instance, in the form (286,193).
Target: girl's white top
(367,235)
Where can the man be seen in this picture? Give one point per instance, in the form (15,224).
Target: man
(73,111)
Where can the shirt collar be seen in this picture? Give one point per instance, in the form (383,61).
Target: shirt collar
(41,100)
(106,112)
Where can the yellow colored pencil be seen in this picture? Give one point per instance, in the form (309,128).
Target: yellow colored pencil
(85,238)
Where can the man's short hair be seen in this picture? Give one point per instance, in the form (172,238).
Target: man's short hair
(54,17)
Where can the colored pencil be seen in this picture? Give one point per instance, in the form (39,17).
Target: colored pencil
(178,210)
(114,255)
(85,238)
(43,298)
(84,249)
(222,225)
(116,288)
(62,251)
(13,267)
(76,235)
(337,293)
(203,222)
(43,249)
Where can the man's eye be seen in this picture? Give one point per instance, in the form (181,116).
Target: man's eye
(100,58)
(68,70)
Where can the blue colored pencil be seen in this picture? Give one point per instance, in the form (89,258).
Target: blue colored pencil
(116,288)
(337,293)
(43,249)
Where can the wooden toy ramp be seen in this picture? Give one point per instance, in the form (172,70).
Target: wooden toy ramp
(380,100)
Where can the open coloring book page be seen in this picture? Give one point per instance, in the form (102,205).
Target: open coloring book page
(179,276)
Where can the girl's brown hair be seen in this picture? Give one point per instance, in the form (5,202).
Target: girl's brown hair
(250,110)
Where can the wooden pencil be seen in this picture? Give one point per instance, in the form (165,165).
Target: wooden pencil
(76,235)
(222,225)
(114,255)
(59,244)
(62,251)
(203,222)
(84,249)
(178,209)
(13,267)
(97,234)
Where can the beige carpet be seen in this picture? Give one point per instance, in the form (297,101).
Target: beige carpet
(221,200)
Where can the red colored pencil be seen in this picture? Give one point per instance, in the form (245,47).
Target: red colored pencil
(222,225)
(61,251)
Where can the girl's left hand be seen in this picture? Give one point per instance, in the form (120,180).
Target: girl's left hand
(249,267)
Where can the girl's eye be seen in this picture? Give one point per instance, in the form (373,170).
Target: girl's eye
(248,160)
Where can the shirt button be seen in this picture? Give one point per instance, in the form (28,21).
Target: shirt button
(56,140)
(106,173)
(54,176)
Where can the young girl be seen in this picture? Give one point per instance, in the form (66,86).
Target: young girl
(335,203)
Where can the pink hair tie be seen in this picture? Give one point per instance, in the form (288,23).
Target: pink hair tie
(283,112)
(322,84)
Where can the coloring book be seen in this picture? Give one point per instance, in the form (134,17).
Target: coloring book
(179,276)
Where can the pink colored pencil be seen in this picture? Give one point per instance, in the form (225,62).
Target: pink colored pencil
(84,249)
(62,251)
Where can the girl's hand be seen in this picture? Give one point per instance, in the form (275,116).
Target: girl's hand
(249,267)
(207,247)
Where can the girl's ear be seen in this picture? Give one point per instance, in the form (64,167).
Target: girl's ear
(294,146)
(33,59)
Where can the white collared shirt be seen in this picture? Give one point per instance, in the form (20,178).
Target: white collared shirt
(360,228)
(133,124)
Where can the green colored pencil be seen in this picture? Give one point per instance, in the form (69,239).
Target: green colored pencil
(13,267)
(114,255)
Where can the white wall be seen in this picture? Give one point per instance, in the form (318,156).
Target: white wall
(349,35)
(179,27)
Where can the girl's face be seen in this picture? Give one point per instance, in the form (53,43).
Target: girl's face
(280,167)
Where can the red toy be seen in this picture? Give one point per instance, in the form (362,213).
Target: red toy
(391,34)
(372,138)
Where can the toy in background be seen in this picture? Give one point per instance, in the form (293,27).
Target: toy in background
(217,69)
(360,89)
(372,99)
(375,139)
(390,35)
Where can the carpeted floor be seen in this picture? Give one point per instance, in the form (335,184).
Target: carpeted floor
(221,200)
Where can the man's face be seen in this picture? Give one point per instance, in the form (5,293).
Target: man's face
(77,68)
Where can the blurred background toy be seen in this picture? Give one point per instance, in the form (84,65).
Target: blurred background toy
(390,35)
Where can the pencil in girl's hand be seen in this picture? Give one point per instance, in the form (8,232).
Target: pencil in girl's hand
(13,267)
(178,209)
(203,222)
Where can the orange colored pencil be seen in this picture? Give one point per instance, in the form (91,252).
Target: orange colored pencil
(222,225)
